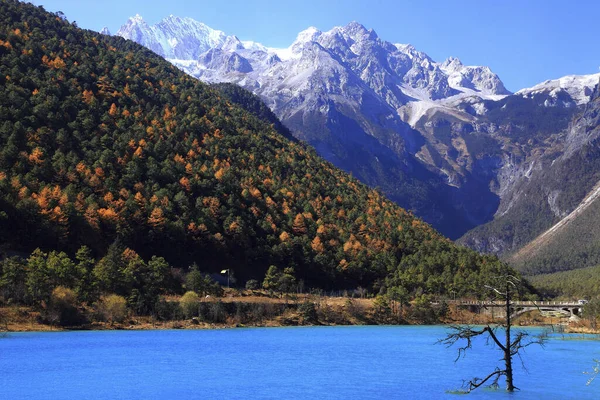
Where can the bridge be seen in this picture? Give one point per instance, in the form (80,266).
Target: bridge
(564,308)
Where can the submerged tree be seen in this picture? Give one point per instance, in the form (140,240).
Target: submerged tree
(500,336)
(594,373)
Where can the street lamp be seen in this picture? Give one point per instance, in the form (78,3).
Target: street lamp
(227,271)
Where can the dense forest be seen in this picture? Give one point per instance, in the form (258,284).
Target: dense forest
(583,283)
(108,146)
(573,246)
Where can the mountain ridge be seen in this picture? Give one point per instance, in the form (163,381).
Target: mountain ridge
(445,140)
(331,89)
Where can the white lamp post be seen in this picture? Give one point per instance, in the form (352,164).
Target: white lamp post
(228,274)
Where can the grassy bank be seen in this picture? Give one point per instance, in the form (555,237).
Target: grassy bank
(259,308)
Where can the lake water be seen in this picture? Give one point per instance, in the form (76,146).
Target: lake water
(277,363)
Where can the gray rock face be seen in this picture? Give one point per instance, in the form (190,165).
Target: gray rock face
(553,180)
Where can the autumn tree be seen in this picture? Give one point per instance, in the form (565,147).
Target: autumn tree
(113,307)
(62,307)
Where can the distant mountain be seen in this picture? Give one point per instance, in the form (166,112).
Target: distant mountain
(349,94)
(105,144)
(549,222)
(569,90)
(445,140)
(173,37)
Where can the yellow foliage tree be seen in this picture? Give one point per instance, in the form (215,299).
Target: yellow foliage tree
(284,237)
(157,218)
(317,245)
(299,226)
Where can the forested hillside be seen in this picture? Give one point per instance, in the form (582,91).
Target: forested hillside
(582,283)
(103,141)
(571,244)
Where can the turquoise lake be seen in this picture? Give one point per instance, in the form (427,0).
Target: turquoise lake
(358,362)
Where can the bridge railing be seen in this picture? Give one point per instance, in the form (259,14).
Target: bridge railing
(514,303)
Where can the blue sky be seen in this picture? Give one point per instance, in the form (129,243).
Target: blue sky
(524,41)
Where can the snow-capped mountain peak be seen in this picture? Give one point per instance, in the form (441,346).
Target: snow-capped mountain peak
(137,18)
(452,64)
(173,37)
(308,35)
(578,87)
(357,31)
(343,61)
(232,43)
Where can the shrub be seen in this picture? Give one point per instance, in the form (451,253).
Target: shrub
(252,284)
(308,312)
(113,308)
(354,309)
(167,310)
(189,304)
(62,307)
(217,312)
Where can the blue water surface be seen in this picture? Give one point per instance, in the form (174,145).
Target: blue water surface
(359,362)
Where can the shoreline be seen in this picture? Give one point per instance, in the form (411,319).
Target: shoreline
(24,319)
(174,326)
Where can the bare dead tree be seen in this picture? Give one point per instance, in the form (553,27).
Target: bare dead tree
(510,345)
(594,373)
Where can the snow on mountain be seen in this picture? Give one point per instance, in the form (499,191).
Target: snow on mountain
(578,87)
(406,79)
(105,31)
(476,78)
(173,37)
(392,71)
(386,112)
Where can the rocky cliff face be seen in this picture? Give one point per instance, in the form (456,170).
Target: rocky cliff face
(545,190)
(445,140)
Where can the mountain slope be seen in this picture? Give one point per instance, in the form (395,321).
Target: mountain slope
(445,140)
(103,140)
(350,94)
(583,283)
(560,188)
(570,244)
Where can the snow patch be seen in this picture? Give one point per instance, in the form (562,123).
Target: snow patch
(579,87)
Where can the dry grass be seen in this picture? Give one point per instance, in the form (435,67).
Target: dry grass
(21,319)
(331,311)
